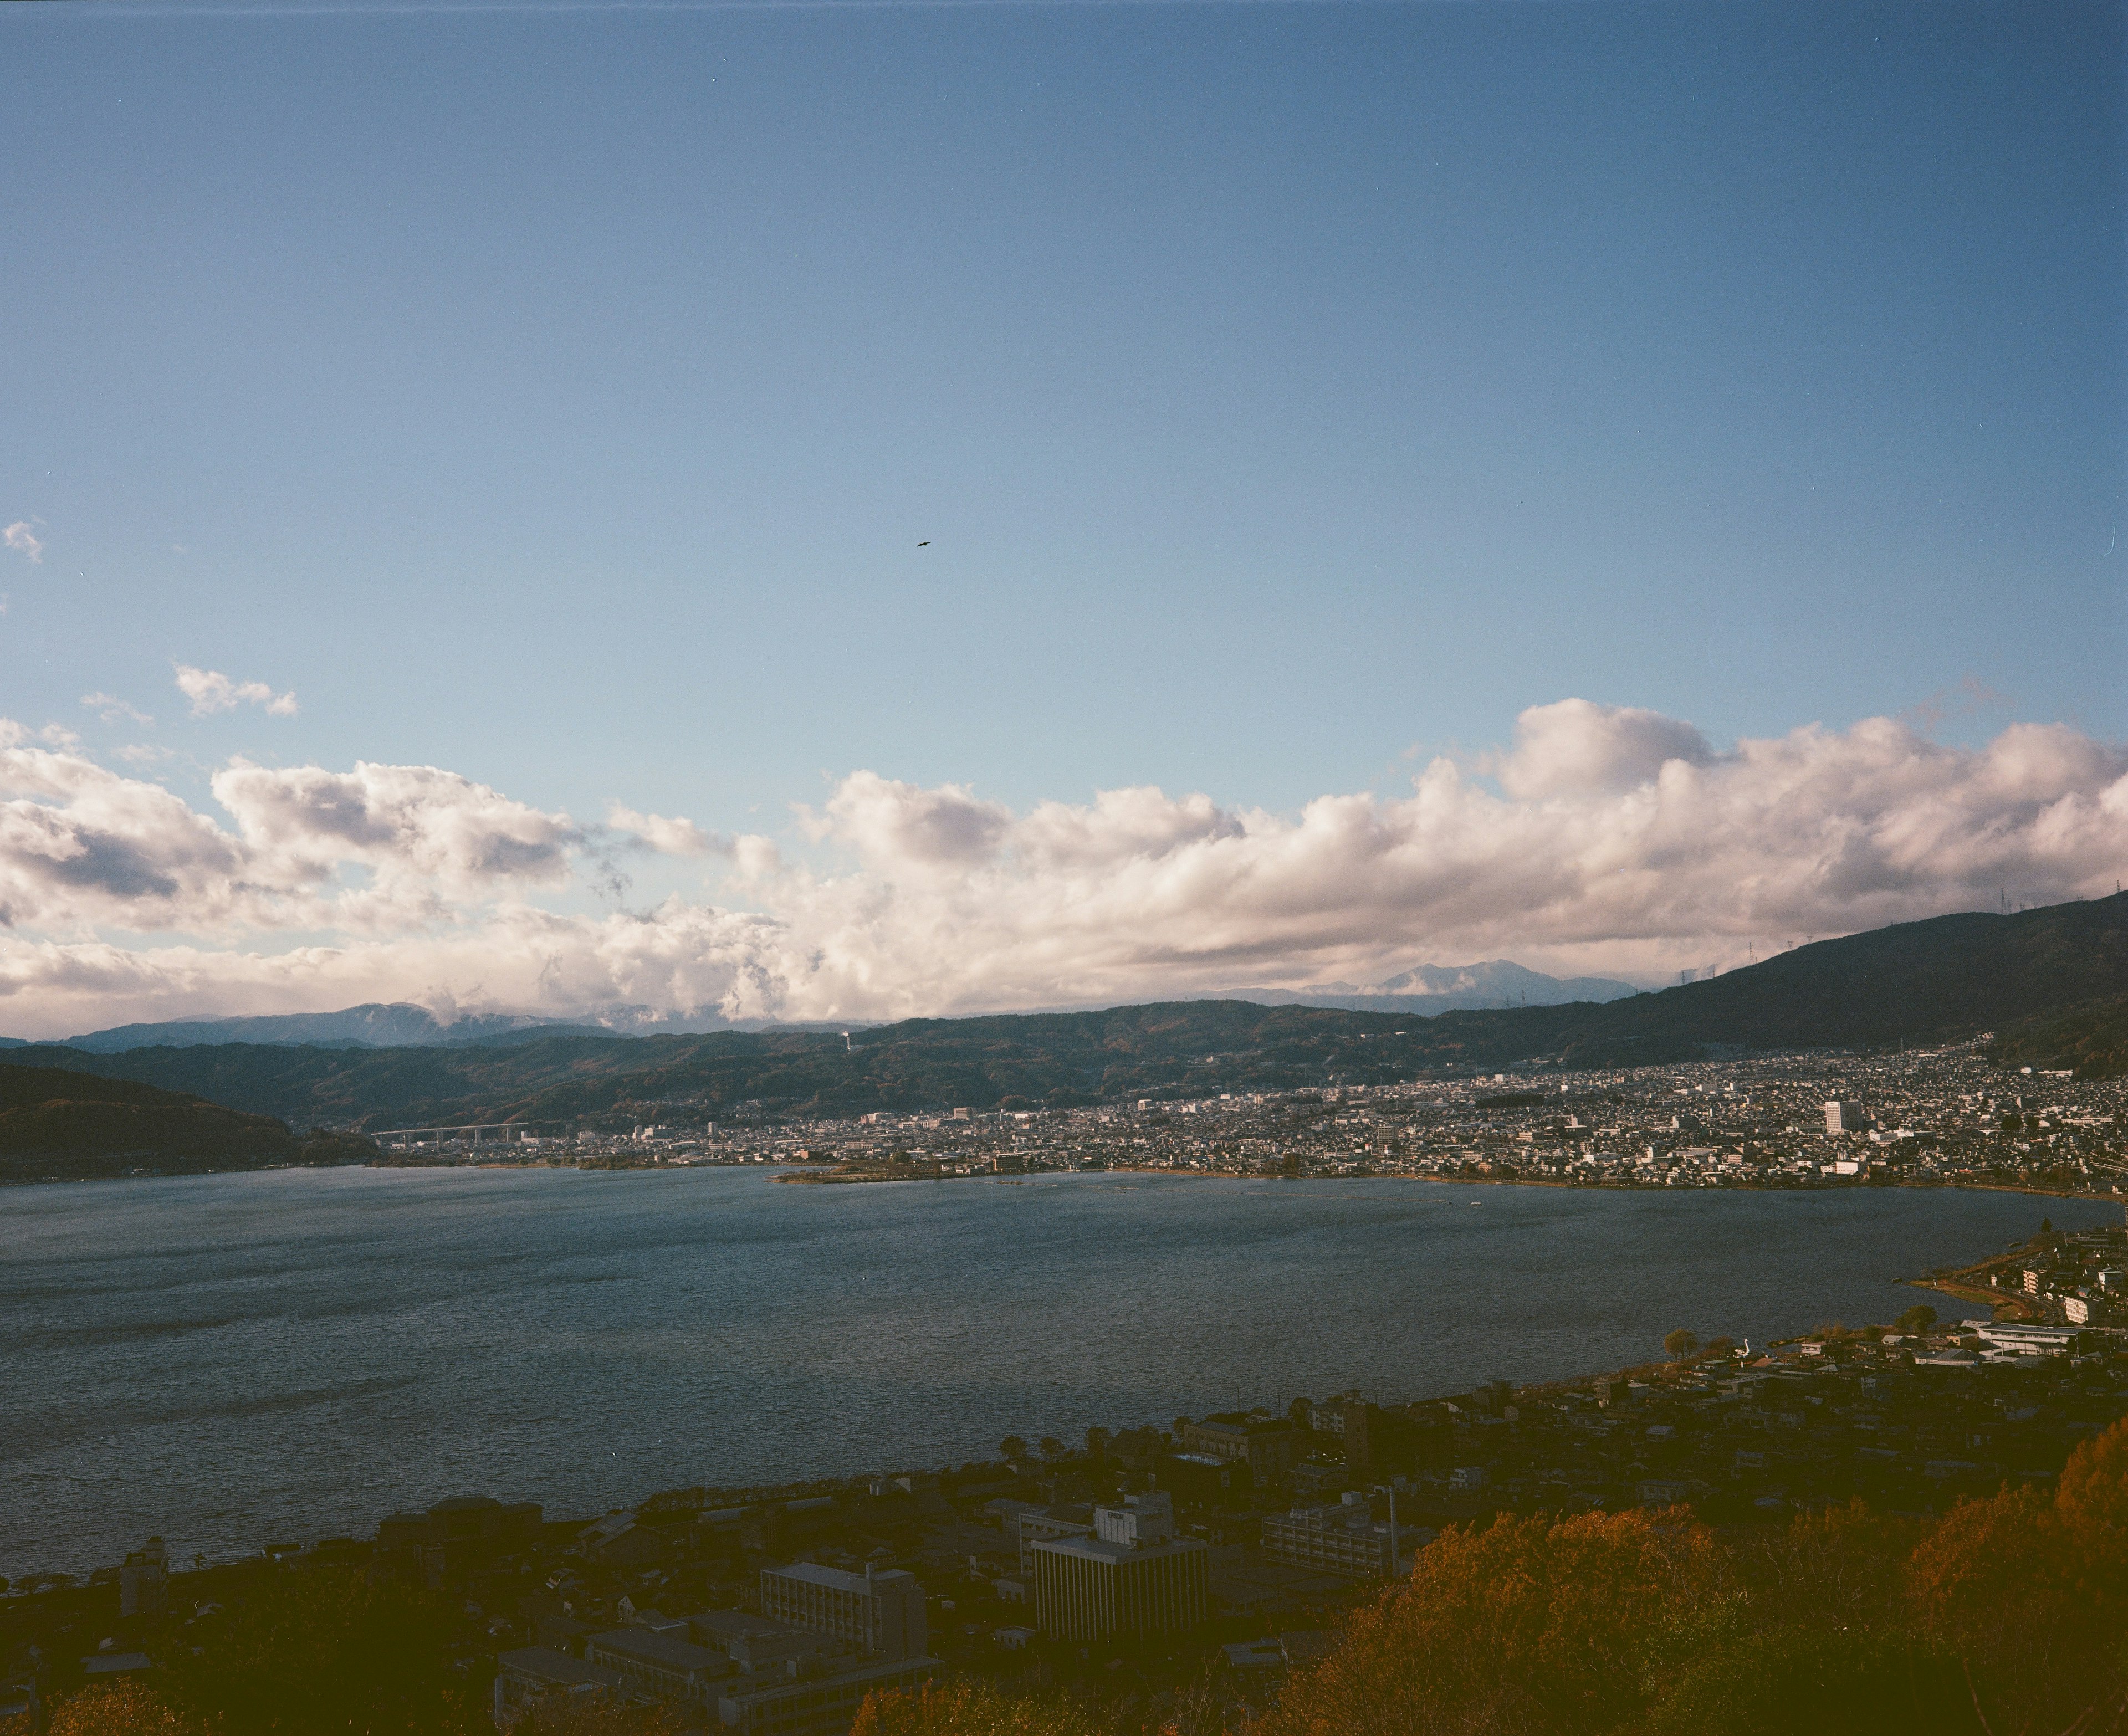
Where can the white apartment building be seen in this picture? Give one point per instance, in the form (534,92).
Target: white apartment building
(1132,1576)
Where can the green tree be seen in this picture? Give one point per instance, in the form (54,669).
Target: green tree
(1013,1447)
(1052,1448)
(1097,1442)
(1681,1345)
(1916,1319)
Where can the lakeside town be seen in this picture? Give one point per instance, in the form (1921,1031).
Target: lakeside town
(1151,1560)
(1938,1117)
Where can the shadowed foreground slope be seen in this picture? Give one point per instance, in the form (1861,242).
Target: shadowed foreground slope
(61,1125)
(2008,1613)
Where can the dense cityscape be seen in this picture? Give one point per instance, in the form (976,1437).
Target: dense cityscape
(1944,1116)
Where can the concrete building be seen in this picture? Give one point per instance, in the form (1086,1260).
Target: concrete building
(768,1705)
(143,1582)
(879,1613)
(1345,1539)
(1844,1115)
(754,1644)
(1031,1526)
(2028,1339)
(1133,1575)
(663,1665)
(530,1675)
(1268,1444)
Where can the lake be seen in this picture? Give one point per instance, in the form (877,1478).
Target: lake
(233,1360)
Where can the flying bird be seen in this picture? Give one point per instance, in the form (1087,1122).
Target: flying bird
(923,545)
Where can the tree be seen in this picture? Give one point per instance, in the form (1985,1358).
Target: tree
(123,1708)
(974,1709)
(1681,1345)
(1302,1410)
(1097,1442)
(1916,1319)
(324,1650)
(1052,1448)
(576,1714)
(1013,1447)
(1532,1626)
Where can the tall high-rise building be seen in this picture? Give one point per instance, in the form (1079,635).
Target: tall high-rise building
(1133,1575)
(1844,1115)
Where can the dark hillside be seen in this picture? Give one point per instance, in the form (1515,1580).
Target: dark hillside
(57,1124)
(2091,1039)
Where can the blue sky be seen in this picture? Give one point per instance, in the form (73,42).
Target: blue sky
(1287,393)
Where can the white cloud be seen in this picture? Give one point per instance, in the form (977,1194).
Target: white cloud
(112,709)
(20,536)
(211,691)
(1617,840)
(1578,747)
(668,838)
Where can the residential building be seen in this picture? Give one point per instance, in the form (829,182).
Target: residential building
(1345,1539)
(879,1613)
(1844,1115)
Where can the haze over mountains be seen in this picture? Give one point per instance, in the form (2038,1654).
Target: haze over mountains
(1431,988)
(2037,982)
(1428,989)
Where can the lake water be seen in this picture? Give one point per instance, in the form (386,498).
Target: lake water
(232,1359)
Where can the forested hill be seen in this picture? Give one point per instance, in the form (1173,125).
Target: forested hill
(1952,977)
(57,1124)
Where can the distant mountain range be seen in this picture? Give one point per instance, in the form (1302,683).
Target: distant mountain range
(375,1025)
(1431,988)
(2049,986)
(401,1025)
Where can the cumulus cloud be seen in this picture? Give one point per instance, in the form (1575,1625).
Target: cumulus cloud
(378,847)
(24,540)
(1612,839)
(210,691)
(1577,747)
(668,838)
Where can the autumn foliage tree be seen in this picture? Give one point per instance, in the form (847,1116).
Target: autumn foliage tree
(124,1708)
(974,1708)
(577,1714)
